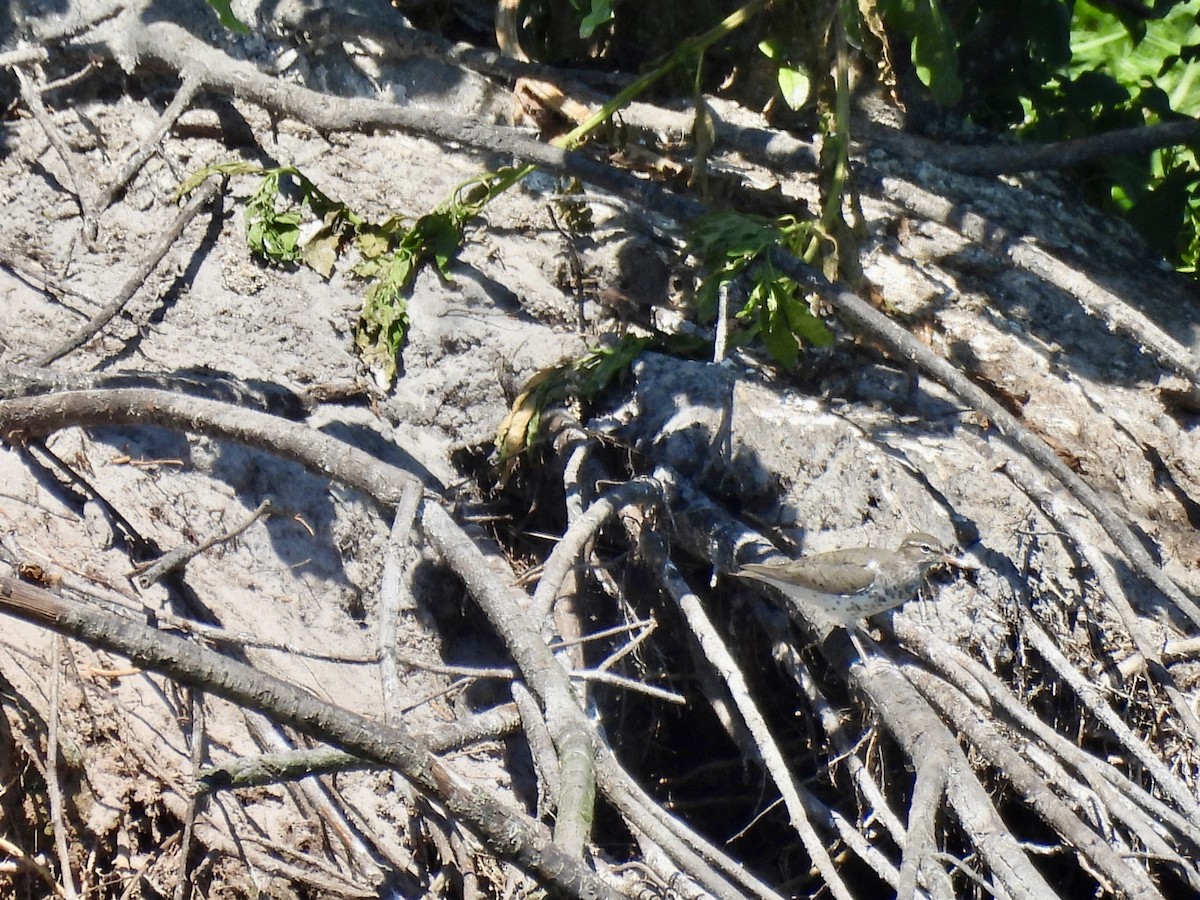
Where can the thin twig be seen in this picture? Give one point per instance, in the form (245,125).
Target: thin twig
(173,559)
(271,768)
(721,659)
(183,99)
(582,531)
(53,786)
(183,886)
(541,750)
(138,277)
(32,864)
(80,185)
(508,833)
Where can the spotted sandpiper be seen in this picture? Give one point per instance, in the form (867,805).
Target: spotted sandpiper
(845,586)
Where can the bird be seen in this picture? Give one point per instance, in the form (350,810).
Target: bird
(845,586)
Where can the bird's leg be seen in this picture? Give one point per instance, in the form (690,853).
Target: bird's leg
(853,631)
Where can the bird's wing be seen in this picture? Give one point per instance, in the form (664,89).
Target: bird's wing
(831,576)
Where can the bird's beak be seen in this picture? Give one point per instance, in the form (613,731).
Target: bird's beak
(963,562)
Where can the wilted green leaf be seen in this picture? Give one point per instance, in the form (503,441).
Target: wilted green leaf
(381,329)
(320,252)
(583,378)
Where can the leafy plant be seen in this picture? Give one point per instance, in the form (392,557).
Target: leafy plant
(933,44)
(794,83)
(314,229)
(730,246)
(1156,61)
(581,378)
(1124,75)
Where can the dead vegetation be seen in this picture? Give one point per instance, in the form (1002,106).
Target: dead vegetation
(401,677)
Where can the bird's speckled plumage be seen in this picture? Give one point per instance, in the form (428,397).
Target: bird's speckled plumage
(844,586)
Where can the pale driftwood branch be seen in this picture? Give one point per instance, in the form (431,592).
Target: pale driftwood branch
(1120,875)
(28,418)
(395,596)
(541,749)
(509,834)
(1117,315)
(270,768)
(903,345)
(795,800)
(576,799)
(920,844)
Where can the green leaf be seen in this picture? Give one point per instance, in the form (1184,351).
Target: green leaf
(934,48)
(226,16)
(600,14)
(776,333)
(236,167)
(808,327)
(772,49)
(935,55)
(795,87)
(1160,214)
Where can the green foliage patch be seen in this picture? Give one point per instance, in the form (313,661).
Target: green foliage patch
(302,225)
(732,245)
